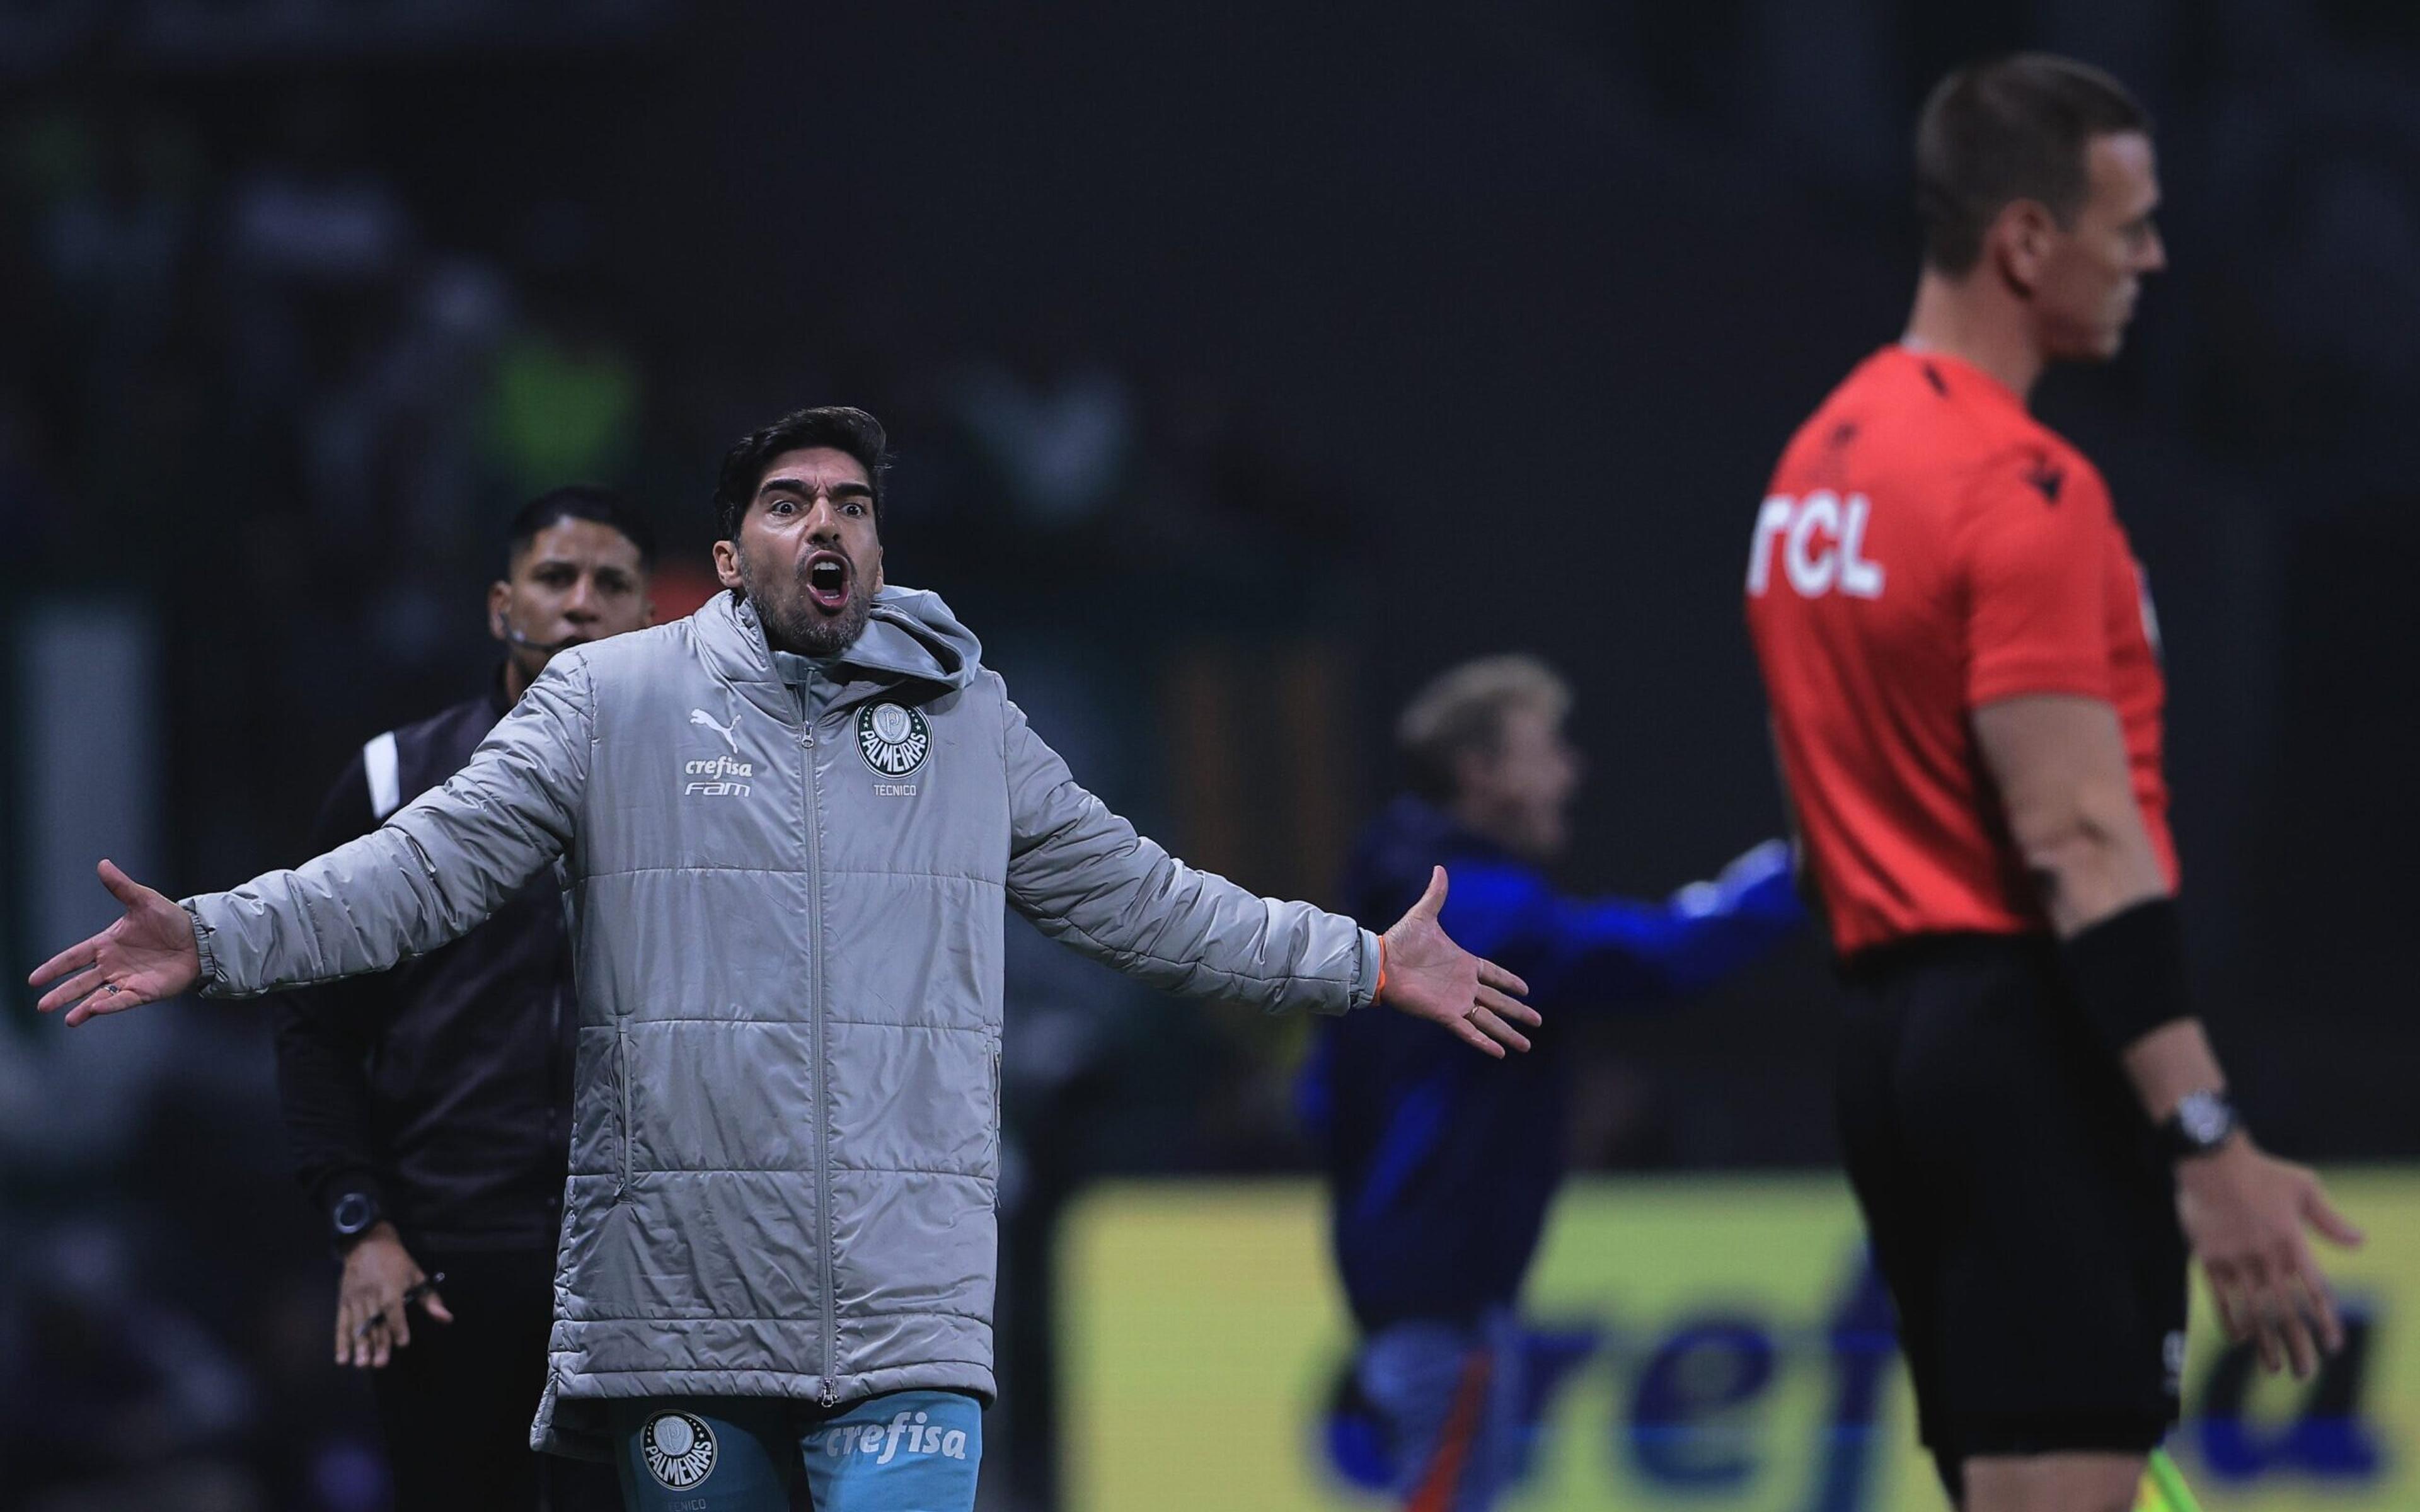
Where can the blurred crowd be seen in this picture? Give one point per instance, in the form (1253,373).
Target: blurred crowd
(256,377)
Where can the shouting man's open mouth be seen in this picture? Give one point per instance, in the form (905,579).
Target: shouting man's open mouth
(829,581)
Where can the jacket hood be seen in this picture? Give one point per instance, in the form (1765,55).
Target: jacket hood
(911,637)
(912,634)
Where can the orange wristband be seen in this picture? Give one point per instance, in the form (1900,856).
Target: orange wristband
(1380,991)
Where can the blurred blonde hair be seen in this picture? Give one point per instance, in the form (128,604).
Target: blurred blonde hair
(1461,710)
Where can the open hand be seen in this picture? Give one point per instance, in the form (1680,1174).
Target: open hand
(2243,1212)
(1430,976)
(146,956)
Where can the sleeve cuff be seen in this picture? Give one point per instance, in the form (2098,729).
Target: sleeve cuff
(2034,676)
(1367,973)
(213,981)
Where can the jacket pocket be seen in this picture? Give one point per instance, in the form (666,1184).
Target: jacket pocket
(622,1104)
(995,1096)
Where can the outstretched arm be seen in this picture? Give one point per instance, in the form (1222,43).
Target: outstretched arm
(1086,878)
(1704,932)
(1611,952)
(425,877)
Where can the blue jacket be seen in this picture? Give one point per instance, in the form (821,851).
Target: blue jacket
(1440,1161)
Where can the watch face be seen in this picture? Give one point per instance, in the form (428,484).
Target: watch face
(355,1212)
(2203,1117)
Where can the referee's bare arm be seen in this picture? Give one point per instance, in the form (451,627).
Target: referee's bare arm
(2060,763)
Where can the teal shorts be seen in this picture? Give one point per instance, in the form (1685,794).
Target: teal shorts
(908,1451)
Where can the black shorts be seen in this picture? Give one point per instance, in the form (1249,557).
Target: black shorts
(2020,1209)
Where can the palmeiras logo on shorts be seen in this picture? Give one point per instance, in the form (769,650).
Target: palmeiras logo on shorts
(894,739)
(679,1449)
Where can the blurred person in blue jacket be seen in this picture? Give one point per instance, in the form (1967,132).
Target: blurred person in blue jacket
(1440,1165)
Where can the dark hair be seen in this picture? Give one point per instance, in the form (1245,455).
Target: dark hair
(580,501)
(2012,128)
(1462,711)
(837,426)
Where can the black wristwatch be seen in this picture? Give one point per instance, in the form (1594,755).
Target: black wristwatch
(2203,1121)
(356,1214)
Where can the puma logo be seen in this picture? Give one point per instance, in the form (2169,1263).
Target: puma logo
(701,716)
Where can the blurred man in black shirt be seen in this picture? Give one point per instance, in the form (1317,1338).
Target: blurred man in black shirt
(429,1108)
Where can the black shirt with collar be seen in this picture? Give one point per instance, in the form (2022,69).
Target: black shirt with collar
(443,1088)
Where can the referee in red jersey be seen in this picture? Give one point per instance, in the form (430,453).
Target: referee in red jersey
(1963,675)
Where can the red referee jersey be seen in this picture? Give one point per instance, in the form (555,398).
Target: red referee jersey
(1929,547)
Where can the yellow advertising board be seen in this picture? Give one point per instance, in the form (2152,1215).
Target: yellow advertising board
(1707,1343)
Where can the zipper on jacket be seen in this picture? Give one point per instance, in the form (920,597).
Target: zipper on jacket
(822,1049)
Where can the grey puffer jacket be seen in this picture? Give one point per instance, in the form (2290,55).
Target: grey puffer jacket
(787,929)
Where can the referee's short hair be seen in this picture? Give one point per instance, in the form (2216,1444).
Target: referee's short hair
(2009,129)
(1461,712)
(837,426)
(579,501)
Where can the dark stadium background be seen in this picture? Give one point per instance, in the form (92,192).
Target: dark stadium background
(1245,365)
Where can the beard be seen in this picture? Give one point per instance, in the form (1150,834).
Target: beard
(792,623)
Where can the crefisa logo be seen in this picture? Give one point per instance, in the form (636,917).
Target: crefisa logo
(678,1448)
(894,739)
(884,1441)
(715,779)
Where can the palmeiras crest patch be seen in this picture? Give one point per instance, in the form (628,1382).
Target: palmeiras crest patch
(679,1449)
(894,739)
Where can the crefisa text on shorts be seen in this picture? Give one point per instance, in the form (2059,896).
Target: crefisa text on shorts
(907,1433)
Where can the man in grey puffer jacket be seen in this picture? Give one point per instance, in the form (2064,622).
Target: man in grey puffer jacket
(786,828)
